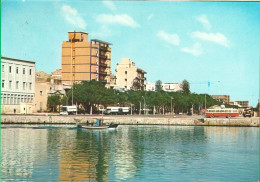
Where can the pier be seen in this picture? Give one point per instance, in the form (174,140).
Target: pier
(131,120)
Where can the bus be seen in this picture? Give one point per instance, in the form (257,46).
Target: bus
(66,110)
(227,112)
(117,110)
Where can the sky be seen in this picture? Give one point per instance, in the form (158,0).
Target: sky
(213,45)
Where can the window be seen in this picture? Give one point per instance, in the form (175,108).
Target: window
(17,84)
(125,72)
(24,71)
(30,72)
(10,84)
(10,69)
(24,85)
(40,92)
(3,68)
(30,86)
(17,70)
(3,84)
(125,79)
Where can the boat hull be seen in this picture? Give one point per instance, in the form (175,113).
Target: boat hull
(97,127)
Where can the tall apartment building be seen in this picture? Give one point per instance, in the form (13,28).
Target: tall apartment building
(17,85)
(84,60)
(128,76)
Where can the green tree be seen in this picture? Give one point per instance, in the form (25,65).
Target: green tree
(185,85)
(158,85)
(53,101)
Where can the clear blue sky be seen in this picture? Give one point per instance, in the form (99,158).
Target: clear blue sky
(216,42)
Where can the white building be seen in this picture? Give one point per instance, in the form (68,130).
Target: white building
(128,76)
(167,87)
(17,85)
(171,87)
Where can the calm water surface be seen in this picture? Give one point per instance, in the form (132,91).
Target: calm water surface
(129,153)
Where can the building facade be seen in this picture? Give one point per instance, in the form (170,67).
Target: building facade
(222,98)
(84,60)
(46,85)
(128,76)
(167,87)
(244,104)
(171,87)
(17,85)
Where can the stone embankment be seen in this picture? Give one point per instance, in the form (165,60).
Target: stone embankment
(130,120)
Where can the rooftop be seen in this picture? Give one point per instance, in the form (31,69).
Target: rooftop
(14,59)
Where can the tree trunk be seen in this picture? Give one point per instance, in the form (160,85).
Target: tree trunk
(90,110)
(163,110)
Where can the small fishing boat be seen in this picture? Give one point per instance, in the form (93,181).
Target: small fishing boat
(92,127)
(97,125)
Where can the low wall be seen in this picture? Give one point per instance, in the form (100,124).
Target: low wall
(129,120)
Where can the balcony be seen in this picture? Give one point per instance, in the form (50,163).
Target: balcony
(103,64)
(103,73)
(102,56)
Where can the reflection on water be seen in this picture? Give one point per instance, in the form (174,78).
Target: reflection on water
(129,153)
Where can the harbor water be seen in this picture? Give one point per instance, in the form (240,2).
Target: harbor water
(129,153)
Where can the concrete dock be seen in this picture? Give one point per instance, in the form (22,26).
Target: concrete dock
(131,120)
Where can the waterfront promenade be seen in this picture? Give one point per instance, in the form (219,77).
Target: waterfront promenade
(182,120)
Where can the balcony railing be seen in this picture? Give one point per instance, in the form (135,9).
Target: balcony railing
(103,65)
(102,73)
(103,56)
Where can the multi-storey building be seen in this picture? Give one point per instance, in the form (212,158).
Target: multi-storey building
(244,104)
(84,60)
(128,76)
(46,85)
(17,85)
(222,98)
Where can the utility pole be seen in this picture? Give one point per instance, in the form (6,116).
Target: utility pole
(71,70)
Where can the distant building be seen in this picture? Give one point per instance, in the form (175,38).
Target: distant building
(149,86)
(244,104)
(46,85)
(84,60)
(17,85)
(128,76)
(168,87)
(171,87)
(112,81)
(222,98)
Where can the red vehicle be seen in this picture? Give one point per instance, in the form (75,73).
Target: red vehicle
(228,112)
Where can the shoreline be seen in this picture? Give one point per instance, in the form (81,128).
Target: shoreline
(131,120)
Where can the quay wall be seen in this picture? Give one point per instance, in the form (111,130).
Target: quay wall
(130,120)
